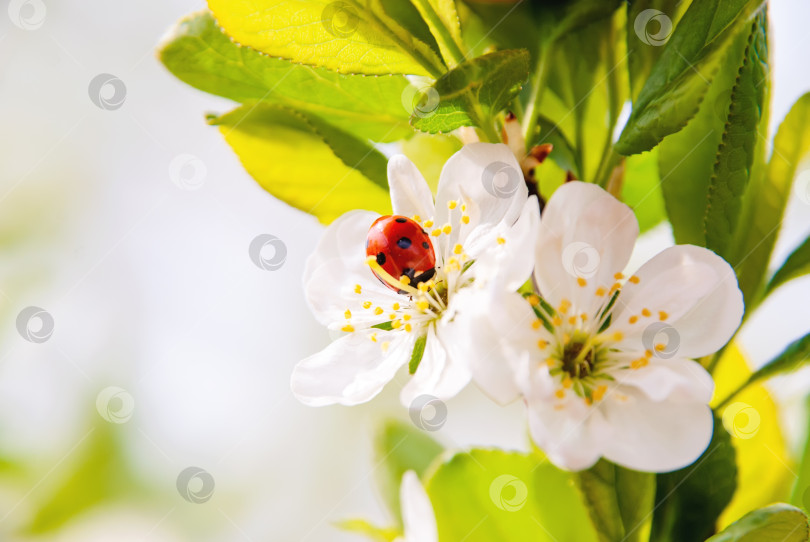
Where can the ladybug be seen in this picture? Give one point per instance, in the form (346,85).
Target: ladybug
(401,247)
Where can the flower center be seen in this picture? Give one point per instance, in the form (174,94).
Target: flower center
(576,362)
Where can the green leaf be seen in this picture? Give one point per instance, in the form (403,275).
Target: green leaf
(796,265)
(416,355)
(775,523)
(306,162)
(769,197)
(363,527)
(689,501)
(619,500)
(737,150)
(347,36)
(472,93)
(200,54)
(487,495)
(442,19)
(686,159)
(398,448)
(98,475)
(642,189)
(680,78)
(647,33)
(791,358)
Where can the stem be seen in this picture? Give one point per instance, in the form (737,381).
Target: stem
(538,86)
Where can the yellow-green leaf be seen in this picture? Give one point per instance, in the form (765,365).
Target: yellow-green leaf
(348,36)
(305,162)
(764,468)
(442,19)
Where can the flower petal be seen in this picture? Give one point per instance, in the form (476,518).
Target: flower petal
(410,193)
(491,329)
(573,437)
(438,374)
(657,436)
(698,294)
(586,236)
(418,517)
(504,253)
(351,370)
(677,380)
(490,175)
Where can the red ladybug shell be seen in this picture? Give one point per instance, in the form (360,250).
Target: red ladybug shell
(401,247)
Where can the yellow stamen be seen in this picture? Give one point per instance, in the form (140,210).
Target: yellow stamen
(560,394)
(600,291)
(347,314)
(501,240)
(662,315)
(395,306)
(458,249)
(582,282)
(541,343)
(533,300)
(452,204)
(373,337)
(618,336)
(447,229)
(599,392)
(567,383)
(572,320)
(634,279)
(551,362)
(358,289)
(437,232)
(465,219)
(396,324)
(633,319)
(428,223)
(646,313)
(366,304)
(618,276)
(408,328)
(660,347)
(348,328)
(557,321)
(378,311)
(422,304)
(536,324)
(417,218)
(385,346)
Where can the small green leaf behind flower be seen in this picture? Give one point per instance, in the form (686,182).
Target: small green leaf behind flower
(472,93)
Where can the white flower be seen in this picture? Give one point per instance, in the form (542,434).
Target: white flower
(483,228)
(418,518)
(604,361)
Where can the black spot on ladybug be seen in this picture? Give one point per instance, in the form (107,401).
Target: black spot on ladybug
(408,272)
(380,258)
(425,244)
(401,220)
(404,242)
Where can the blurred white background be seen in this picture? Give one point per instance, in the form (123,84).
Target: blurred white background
(152,290)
